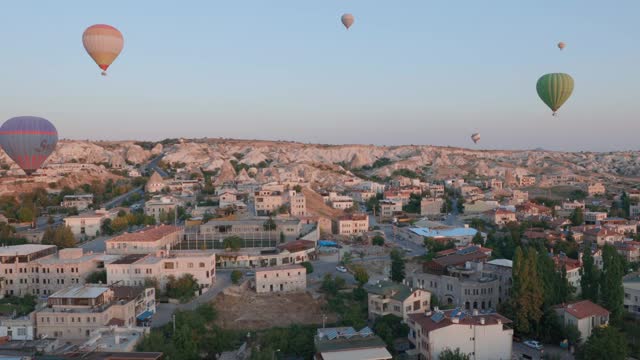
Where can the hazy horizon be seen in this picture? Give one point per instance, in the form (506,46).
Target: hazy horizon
(405,73)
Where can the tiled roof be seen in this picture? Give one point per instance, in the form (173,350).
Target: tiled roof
(146,235)
(435,321)
(584,308)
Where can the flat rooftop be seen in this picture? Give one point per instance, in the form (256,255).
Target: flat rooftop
(149,234)
(450,232)
(282,267)
(80,292)
(21,250)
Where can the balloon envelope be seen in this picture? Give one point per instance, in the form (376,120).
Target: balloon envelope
(103,43)
(554,89)
(561,45)
(347,20)
(28,140)
(475,137)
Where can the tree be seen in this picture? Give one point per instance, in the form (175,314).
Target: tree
(527,291)
(589,275)
(182,288)
(61,236)
(50,220)
(361,275)
(297,189)
(106,228)
(377,240)
(397,266)
(449,354)
(389,328)
(233,243)
(97,277)
(572,334)
(119,224)
(604,343)
(611,289)
(236,275)
(26,214)
(478,239)
(269,225)
(347,257)
(577,217)
(282,238)
(308,266)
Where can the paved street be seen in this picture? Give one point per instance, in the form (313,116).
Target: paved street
(520,349)
(96,245)
(165,310)
(118,200)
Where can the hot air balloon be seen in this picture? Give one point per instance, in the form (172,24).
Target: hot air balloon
(554,89)
(28,140)
(475,137)
(347,20)
(103,43)
(561,45)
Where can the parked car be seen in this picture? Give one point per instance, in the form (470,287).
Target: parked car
(341,269)
(533,344)
(249,273)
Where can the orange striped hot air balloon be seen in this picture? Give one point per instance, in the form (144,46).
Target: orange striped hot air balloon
(103,43)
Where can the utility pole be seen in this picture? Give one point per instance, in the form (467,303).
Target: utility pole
(173,317)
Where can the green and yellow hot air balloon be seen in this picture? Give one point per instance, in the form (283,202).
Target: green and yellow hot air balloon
(554,89)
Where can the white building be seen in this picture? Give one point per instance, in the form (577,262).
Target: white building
(18,329)
(388,297)
(352,224)
(80,202)
(631,284)
(480,336)
(389,207)
(281,279)
(161,205)
(145,241)
(87,224)
(134,270)
(585,315)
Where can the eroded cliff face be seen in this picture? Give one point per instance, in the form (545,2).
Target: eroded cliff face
(329,163)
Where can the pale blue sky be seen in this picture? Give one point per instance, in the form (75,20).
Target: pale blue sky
(408,72)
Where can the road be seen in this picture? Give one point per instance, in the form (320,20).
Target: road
(520,348)
(95,245)
(165,310)
(118,200)
(153,165)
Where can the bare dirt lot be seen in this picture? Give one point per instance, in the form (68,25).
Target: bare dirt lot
(241,308)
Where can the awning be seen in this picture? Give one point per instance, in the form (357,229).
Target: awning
(145,315)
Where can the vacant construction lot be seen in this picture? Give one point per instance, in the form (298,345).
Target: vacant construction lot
(241,308)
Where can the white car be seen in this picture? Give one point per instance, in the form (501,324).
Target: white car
(533,344)
(341,269)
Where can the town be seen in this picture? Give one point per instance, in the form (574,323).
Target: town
(242,254)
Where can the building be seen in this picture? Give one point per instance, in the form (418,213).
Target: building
(75,312)
(634,211)
(594,217)
(431,206)
(472,285)
(136,269)
(631,285)
(519,196)
(458,235)
(18,329)
(345,343)
(572,267)
(595,189)
(495,184)
(351,224)
(388,297)
(575,204)
(436,190)
(479,335)
(362,196)
(400,196)
(602,236)
(161,206)
(87,224)
(146,241)
(527,180)
(585,315)
(388,208)
(256,232)
(268,202)
(298,205)
(155,184)
(80,202)
(630,250)
(285,278)
(43,270)
(501,216)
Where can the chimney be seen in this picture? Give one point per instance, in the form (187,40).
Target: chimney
(482,321)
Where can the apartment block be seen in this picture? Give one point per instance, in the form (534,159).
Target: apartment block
(145,241)
(281,279)
(351,224)
(388,297)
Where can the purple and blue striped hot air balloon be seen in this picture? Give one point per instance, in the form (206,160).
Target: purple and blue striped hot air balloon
(28,140)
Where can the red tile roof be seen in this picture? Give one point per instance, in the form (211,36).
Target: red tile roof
(567,262)
(584,308)
(147,234)
(428,325)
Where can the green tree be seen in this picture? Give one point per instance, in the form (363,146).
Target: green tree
(572,334)
(269,225)
(119,224)
(377,240)
(361,275)
(527,291)
(297,189)
(61,236)
(236,276)
(589,275)
(182,288)
(604,343)
(97,277)
(308,266)
(346,258)
(397,266)
(449,354)
(282,238)
(477,239)
(577,217)
(26,214)
(233,243)
(389,328)
(611,289)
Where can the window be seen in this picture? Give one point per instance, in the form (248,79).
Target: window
(190,265)
(201,265)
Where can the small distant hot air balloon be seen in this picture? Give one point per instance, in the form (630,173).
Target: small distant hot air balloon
(103,43)
(554,89)
(28,140)
(475,137)
(561,45)
(347,20)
